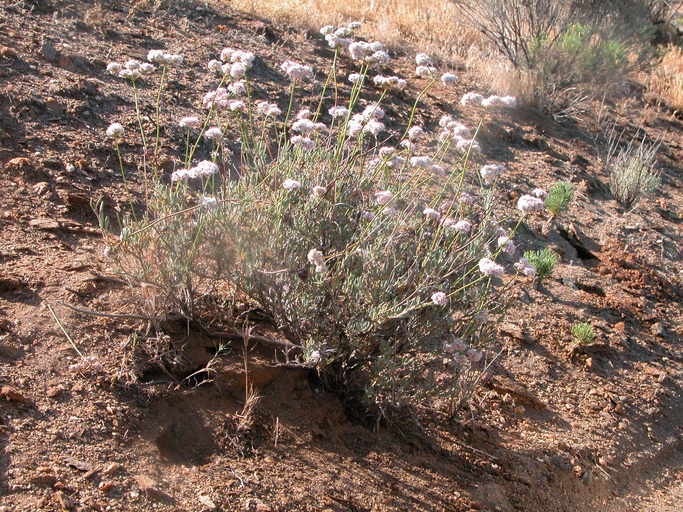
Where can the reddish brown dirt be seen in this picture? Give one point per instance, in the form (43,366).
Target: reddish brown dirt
(558,428)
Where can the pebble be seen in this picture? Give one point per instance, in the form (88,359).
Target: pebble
(112,468)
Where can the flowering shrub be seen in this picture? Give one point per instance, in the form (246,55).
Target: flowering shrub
(376,261)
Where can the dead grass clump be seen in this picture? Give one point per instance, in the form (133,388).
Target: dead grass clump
(665,83)
(431,26)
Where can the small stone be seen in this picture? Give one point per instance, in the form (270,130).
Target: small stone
(41,188)
(54,391)
(112,468)
(589,362)
(43,478)
(11,394)
(657,329)
(207,502)
(106,486)
(49,51)
(519,410)
(7,53)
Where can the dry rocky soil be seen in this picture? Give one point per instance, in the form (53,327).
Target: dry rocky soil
(558,427)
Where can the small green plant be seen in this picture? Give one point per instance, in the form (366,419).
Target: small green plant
(559,197)
(583,332)
(632,173)
(543,261)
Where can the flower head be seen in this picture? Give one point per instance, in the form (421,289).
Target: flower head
(318,191)
(424,162)
(439,298)
(146,68)
(337,112)
(490,268)
(205,168)
(539,192)
(290,184)
(527,204)
(471,98)
(296,72)
(303,126)
(304,143)
(238,88)
(383,196)
(432,213)
(208,202)
(507,244)
(315,257)
(374,127)
(415,133)
(189,122)
(448,79)
(114,68)
(490,172)
(215,66)
(115,131)
(422,59)
(425,71)
(355,77)
(213,133)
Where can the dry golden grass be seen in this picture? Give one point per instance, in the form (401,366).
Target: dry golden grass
(665,82)
(432,26)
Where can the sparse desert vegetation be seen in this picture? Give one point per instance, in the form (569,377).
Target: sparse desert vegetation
(324,256)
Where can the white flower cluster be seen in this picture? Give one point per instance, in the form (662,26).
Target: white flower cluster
(461,226)
(368,122)
(372,54)
(203,169)
(338,37)
(131,70)
(115,131)
(499,101)
(383,197)
(220,98)
(163,58)
(440,298)
(460,349)
(263,108)
(305,143)
(338,112)
(213,133)
(507,244)
(189,122)
(390,82)
(539,192)
(238,88)
(315,257)
(425,67)
(525,267)
(237,63)
(448,79)
(490,172)
(490,268)
(296,72)
(529,204)
(208,202)
(473,98)
(305,126)
(459,133)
